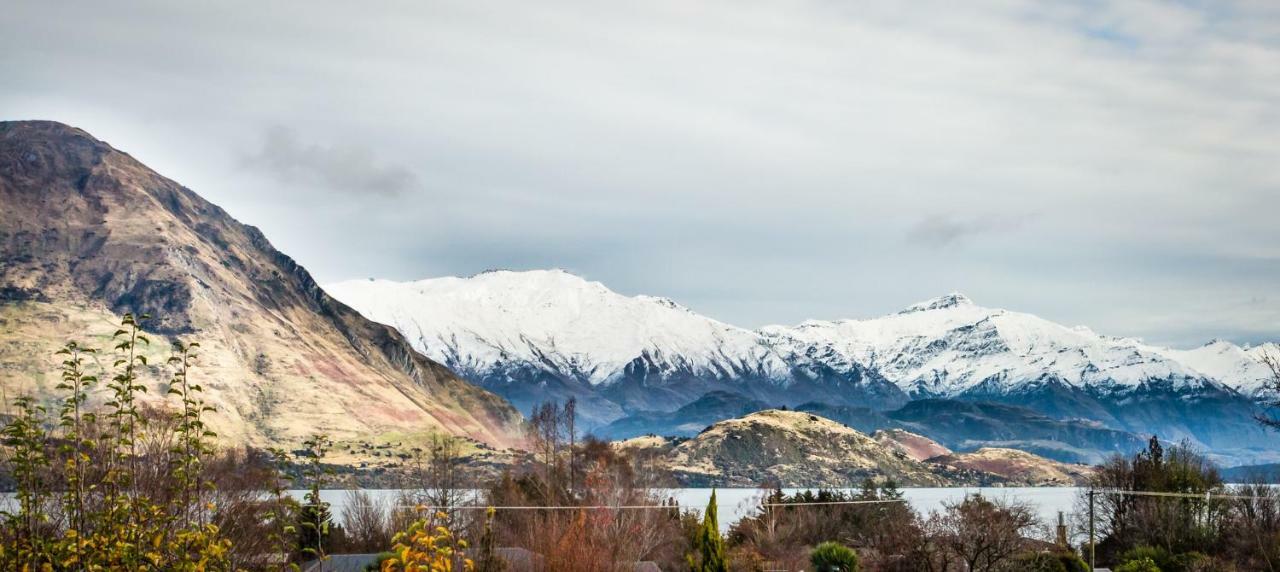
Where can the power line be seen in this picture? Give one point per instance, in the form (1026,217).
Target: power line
(1207,496)
(632,507)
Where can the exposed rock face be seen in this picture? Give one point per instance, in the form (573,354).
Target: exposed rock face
(87,233)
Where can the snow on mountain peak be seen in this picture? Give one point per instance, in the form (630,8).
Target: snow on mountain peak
(1241,367)
(945,346)
(555,319)
(952,300)
(949,345)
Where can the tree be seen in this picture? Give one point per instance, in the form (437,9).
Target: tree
(1039,562)
(1272,385)
(486,559)
(834,557)
(984,533)
(314,520)
(708,542)
(1186,522)
(439,477)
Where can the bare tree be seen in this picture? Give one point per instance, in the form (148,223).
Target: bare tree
(569,419)
(365,523)
(984,533)
(1272,386)
(552,433)
(439,478)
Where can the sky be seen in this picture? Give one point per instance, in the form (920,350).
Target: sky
(1111,164)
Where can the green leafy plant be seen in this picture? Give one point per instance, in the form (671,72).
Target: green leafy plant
(314,520)
(118,509)
(1139,565)
(834,557)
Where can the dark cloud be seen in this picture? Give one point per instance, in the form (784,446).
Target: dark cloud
(344,168)
(942,231)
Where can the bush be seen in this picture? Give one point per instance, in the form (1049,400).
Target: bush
(1072,562)
(834,557)
(1140,565)
(1165,560)
(1039,562)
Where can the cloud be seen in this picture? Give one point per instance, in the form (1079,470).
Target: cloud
(760,162)
(941,231)
(344,168)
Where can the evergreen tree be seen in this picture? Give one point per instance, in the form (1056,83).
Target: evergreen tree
(709,543)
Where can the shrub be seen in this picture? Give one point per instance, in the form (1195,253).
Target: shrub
(834,557)
(1039,562)
(1139,565)
(1167,561)
(1072,562)
(428,545)
(134,484)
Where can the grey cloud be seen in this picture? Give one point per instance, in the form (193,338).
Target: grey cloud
(947,230)
(344,168)
(762,164)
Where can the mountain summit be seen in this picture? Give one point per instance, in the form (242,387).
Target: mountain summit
(87,233)
(636,361)
(951,300)
(543,334)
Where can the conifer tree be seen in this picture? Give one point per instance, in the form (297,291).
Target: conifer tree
(709,543)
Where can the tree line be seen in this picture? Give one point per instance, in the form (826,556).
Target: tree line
(123,486)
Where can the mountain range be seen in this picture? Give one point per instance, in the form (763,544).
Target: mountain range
(633,362)
(88,233)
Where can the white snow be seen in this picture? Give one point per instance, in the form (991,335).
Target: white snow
(556,319)
(949,344)
(564,323)
(1237,366)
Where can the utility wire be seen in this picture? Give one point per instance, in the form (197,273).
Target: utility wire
(1120,492)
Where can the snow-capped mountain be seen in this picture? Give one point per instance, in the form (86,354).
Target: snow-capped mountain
(1241,367)
(560,320)
(548,334)
(948,346)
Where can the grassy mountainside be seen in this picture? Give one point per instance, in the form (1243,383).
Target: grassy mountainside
(799,449)
(87,233)
(795,448)
(1016,468)
(917,447)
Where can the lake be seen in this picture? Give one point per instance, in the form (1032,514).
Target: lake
(734,503)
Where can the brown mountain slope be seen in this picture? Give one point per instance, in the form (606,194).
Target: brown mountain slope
(794,449)
(917,447)
(87,233)
(1016,468)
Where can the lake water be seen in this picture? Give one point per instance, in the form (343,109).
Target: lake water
(734,503)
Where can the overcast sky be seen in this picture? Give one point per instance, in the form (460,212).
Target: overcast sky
(1114,164)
